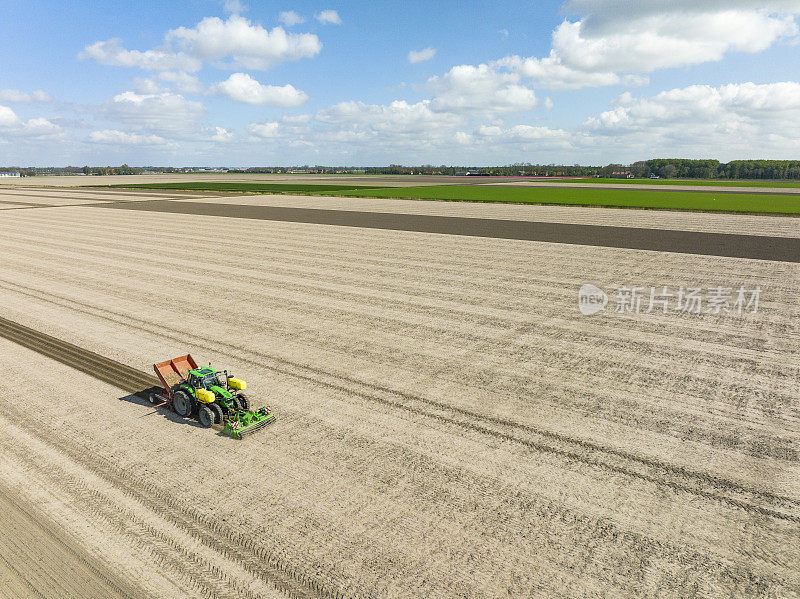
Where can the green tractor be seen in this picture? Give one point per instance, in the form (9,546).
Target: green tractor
(212,396)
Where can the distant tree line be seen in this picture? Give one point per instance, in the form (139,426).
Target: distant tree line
(667,168)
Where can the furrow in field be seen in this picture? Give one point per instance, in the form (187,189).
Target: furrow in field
(437,502)
(739,372)
(704,485)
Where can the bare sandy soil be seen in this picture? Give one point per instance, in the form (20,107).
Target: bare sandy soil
(37,559)
(449,423)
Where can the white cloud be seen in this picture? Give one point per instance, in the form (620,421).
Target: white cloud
(11,124)
(248,45)
(617,41)
(480,89)
(146,85)
(115,137)
(328,16)
(290,18)
(233,6)
(399,117)
(185,49)
(264,130)
(241,87)
(182,82)
(300,119)
(738,120)
(17,96)
(222,135)
(416,56)
(163,111)
(8,117)
(112,53)
(525,134)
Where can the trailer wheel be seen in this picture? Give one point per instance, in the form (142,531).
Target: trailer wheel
(243,401)
(206,416)
(182,404)
(217,412)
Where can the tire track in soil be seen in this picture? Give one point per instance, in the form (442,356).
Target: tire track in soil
(164,549)
(678,478)
(55,535)
(288,579)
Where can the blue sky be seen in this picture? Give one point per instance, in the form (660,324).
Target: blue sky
(241,84)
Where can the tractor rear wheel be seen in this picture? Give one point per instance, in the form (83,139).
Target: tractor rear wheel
(206,416)
(182,403)
(217,412)
(243,401)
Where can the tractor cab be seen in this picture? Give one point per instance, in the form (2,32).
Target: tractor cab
(205,378)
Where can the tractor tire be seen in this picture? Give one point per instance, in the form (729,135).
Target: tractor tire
(243,401)
(237,405)
(182,403)
(217,412)
(206,416)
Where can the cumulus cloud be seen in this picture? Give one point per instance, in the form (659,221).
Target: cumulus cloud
(182,82)
(241,87)
(526,134)
(115,137)
(617,41)
(185,49)
(290,18)
(330,17)
(742,104)
(112,53)
(738,118)
(11,124)
(399,117)
(247,44)
(264,130)
(164,111)
(416,56)
(479,89)
(8,117)
(20,97)
(221,134)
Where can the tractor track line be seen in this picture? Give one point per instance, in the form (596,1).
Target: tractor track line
(164,550)
(279,573)
(651,470)
(45,527)
(582,450)
(204,529)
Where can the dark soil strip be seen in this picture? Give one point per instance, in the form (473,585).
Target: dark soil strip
(757,247)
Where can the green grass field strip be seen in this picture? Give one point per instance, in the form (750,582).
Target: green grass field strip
(698,182)
(624,198)
(236,186)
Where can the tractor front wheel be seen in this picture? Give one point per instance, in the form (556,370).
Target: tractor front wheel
(206,416)
(243,401)
(182,404)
